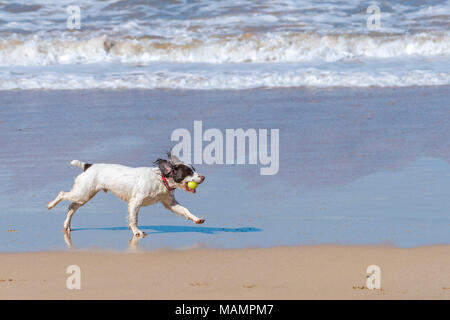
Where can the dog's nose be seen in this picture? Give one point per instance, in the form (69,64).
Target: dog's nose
(202,178)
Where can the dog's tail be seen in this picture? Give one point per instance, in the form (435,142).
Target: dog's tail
(80,164)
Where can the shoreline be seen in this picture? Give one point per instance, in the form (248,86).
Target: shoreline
(237,90)
(294,272)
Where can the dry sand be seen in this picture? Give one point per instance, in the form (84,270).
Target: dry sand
(303,272)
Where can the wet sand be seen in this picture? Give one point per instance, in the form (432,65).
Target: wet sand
(302,272)
(357,167)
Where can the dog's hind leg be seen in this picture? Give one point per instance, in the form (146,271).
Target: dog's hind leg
(57,200)
(72,208)
(74,196)
(82,191)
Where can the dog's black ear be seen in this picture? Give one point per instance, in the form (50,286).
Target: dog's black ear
(165,167)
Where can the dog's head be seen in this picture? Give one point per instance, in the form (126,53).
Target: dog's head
(178,173)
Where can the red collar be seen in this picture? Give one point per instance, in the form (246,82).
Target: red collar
(166,183)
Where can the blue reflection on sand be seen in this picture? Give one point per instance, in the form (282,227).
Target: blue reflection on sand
(176,229)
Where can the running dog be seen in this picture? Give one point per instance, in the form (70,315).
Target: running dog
(137,186)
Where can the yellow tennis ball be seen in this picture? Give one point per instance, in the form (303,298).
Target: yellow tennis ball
(192,184)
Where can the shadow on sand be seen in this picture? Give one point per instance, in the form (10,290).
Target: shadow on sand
(177,229)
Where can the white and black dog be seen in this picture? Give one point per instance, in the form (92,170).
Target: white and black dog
(137,186)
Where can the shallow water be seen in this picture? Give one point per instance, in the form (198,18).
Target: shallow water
(357,166)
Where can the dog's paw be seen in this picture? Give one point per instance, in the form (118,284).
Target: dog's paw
(49,206)
(199,221)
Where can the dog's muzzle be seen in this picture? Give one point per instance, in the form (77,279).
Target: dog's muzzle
(185,186)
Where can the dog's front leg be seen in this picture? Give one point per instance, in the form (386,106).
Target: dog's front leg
(133,211)
(171,204)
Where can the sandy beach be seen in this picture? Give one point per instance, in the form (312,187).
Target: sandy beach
(301,272)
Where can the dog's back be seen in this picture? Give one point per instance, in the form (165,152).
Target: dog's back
(123,181)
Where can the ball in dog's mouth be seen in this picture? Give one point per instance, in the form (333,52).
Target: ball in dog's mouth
(186,187)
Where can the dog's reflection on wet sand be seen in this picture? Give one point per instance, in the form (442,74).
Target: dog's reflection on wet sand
(160,229)
(133,243)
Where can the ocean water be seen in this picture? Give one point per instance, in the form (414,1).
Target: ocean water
(223,44)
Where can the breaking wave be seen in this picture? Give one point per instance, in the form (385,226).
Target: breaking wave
(247,48)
